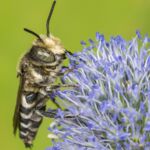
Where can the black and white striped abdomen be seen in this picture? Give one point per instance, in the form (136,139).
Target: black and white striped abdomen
(29,119)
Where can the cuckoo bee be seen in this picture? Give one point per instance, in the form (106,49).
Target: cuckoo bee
(38,69)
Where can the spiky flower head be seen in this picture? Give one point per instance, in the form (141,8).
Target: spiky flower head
(110,107)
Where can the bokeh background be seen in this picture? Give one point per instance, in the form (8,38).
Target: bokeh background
(72,21)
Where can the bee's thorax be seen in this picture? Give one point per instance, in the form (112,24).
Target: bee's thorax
(50,43)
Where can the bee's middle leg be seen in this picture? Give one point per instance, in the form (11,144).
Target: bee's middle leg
(54,100)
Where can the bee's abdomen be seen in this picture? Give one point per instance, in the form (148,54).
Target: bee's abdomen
(29,119)
(28,133)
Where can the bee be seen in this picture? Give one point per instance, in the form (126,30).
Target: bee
(38,69)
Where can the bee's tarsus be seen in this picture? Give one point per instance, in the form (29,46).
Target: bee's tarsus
(55,102)
(66,51)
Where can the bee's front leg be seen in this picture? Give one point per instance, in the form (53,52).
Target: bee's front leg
(64,70)
(67,51)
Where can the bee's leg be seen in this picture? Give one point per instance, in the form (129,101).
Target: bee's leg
(64,70)
(56,103)
(50,113)
(50,93)
(70,53)
(57,86)
(52,88)
(54,100)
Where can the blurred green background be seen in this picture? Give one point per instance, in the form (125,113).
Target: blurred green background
(72,21)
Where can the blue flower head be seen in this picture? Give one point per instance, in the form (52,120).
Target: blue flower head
(110,107)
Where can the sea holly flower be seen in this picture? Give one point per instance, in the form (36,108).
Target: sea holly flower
(109,109)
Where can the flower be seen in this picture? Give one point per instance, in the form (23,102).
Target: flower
(109,109)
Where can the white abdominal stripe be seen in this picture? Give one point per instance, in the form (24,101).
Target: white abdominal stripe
(25,125)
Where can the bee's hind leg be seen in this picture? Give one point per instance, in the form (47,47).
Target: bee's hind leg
(50,113)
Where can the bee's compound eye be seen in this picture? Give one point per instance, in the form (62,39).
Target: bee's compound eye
(42,54)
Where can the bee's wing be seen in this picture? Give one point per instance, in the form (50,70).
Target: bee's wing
(16,117)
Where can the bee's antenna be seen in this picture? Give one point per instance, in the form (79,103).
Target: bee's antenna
(35,34)
(49,18)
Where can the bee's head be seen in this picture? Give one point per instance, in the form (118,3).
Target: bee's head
(47,50)
(46,46)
